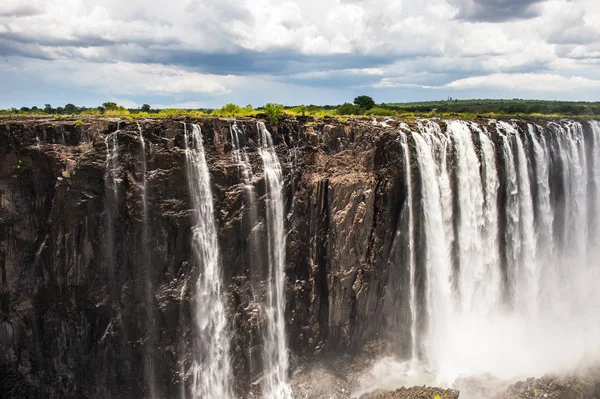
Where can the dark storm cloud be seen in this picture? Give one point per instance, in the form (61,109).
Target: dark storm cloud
(85,40)
(11,48)
(244,62)
(496,10)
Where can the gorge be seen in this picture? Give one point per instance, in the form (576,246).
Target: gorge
(222,258)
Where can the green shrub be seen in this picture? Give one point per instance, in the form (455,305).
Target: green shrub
(377,111)
(78,122)
(17,166)
(274,112)
(349,109)
(230,110)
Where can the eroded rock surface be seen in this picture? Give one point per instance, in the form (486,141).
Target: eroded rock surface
(74,271)
(413,393)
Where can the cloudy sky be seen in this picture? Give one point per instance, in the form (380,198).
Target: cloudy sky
(205,53)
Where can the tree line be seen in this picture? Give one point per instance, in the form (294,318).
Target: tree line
(362,105)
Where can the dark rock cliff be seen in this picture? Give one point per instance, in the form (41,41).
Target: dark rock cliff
(77,262)
(74,317)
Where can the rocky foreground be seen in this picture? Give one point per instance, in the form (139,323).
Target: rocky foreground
(585,385)
(413,393)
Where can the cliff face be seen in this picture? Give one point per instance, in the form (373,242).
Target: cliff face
(96,300)
(75,267)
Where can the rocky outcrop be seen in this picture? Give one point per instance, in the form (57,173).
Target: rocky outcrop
(414,393)
(584,385)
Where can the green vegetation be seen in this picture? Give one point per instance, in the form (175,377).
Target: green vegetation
(78,122)
(18,166)
(349,109)
(502,107)
(380,111)
(365,102)
(362,106)
(274,112)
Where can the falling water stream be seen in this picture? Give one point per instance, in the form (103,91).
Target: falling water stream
(411,251)
(151,328)
(510,217)
(211,368)
(275,360)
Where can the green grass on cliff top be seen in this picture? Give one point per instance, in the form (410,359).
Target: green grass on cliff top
(447,108)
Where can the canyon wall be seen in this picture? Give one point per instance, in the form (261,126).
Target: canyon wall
(79,256)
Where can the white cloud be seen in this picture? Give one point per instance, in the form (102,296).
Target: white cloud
(339,73)
(129,78)
(526,82)
(193,46)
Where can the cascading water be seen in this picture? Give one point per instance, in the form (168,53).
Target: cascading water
(510,220)
(151,330)
(595,195)
(240,156)
(211,368)
(543,207)
(411,252)
(275,360)
(111,197)
(528,275)
(111,182)
(438,269)
(471,199)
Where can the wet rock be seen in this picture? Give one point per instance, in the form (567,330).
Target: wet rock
(73,310)
(580,385)
(413,393)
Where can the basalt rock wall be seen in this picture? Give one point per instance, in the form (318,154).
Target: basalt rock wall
(75,267)
(73,318)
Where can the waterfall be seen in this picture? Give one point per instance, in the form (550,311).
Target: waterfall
(111,194)
(411,250)
(491,273)
(595,165)
(151,329)
(512,236)
(545,217)
(510,219)
(469,232)
(111,182)
(438,267)
(211,369)
(528,273)
(275,358)
(240,157)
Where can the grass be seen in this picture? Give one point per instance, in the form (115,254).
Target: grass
(466,109)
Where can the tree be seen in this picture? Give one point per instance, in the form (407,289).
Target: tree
(110,106)
(146,108)
(48,108)
(302,110)
(70,109)
(274,112)
(230,110)
(349,109)
(365,102)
